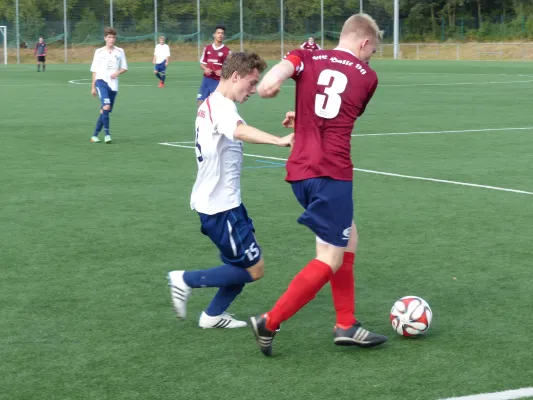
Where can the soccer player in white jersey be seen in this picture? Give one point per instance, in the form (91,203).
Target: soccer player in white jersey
(160,61)
(216,195)
(108,63)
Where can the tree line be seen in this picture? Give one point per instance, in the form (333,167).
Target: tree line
(421,20)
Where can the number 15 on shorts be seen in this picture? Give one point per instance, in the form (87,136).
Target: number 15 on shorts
(252,252)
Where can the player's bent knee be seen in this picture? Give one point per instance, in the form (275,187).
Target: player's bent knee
(257,271)
(330,255)
(107,107)
(354,239)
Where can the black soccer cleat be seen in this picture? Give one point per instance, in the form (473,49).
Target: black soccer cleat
(263,336)
(356,335)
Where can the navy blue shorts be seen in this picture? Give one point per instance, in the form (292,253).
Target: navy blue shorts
(161,67)
(328,207)
(208,86)
(232,231)
(107,96)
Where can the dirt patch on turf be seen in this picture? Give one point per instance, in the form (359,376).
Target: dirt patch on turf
(142,51)
(461,51)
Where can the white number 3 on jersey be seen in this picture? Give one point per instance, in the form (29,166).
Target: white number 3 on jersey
(328,105)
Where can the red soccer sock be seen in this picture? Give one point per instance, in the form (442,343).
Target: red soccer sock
(343,291)
(302,289)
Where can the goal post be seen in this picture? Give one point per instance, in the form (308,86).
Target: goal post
(3,38)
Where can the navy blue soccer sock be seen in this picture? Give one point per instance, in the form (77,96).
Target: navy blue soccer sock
(158,76)
(225,275)
(223,299)
(99,125)
(105,120)
(163,77)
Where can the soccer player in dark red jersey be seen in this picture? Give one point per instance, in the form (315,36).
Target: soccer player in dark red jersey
(310,45)
(211,62)
(333,88)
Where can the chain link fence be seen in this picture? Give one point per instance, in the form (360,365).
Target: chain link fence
(73,28)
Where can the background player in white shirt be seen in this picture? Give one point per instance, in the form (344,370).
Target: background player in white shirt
(160,61)
(108,63)
(216,195)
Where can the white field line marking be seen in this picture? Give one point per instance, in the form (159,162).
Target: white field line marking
(369,171)
(505,395)
(79,82)
(457,83)
(433,132)
(35,85)
(445,84)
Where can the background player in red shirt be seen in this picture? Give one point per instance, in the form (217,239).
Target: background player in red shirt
(310,45)
(211,62)
(333,88)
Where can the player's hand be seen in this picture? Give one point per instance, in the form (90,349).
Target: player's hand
(286,141)
(207,71)
(93,92)
(114,75)
(288,122)
(217,73)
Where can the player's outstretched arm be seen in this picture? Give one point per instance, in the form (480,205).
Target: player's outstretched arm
(249,134)
(272,81)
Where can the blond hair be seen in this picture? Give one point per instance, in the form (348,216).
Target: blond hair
(162,37)
(361,26)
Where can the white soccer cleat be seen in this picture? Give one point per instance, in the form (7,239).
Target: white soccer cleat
(223,320)
(107,138)
(95,139)
(179,292)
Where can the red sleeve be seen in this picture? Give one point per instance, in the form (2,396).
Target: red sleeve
(203,59)
(296,57)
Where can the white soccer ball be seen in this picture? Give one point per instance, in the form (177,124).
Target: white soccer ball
(411,316)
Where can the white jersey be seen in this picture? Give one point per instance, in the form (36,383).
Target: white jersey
(218,155)
(106,62)
(161,53)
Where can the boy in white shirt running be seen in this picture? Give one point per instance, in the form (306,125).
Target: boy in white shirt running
(216,195)
(108,63)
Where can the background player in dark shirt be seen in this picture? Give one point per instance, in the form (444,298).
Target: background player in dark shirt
(333,88)
(211,62)
(40,52)
(310,45)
